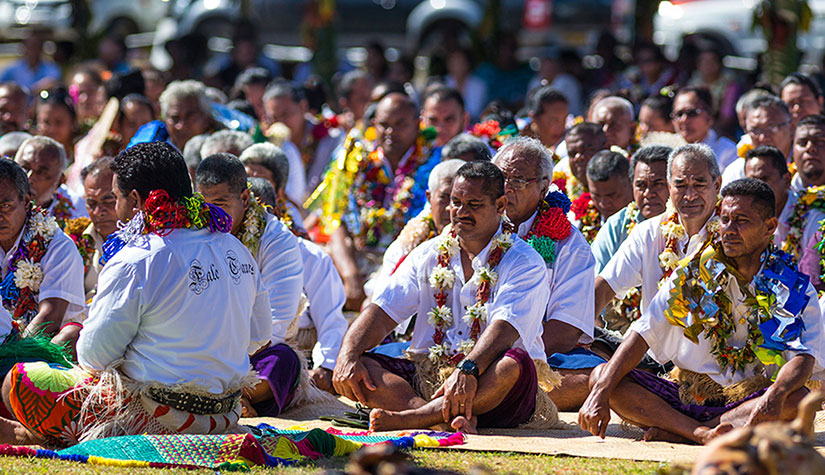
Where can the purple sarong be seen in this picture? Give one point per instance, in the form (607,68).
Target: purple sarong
(280,367)
(669,391)
(516,408)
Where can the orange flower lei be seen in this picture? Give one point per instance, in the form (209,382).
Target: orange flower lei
(442,279)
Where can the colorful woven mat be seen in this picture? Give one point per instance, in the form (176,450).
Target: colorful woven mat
(266,446)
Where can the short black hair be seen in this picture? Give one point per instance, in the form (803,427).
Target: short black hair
(606,164)
(661,104)
(442,93)
(801,80)
(497,111)
(649,154)
(57,96)
(770,154)
(769,101)
(222,168)
(816,120)
(463,144)
(702,93)
(13,173)
(263,191)
(492,176)
(544,96)
(586,128)
(150,166)
(762,195)
(96,167)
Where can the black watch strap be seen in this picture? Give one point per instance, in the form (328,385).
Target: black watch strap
(468,366)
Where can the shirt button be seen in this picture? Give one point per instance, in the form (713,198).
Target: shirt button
(460,333)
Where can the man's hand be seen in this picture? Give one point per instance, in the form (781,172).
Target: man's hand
(768,408)
(354,288)
(349,379)
(459,391)
(323,379)
(594,414)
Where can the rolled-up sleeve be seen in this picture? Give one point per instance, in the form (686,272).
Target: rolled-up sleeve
(400,297)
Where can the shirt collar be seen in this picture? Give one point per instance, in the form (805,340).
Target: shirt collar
(525,227)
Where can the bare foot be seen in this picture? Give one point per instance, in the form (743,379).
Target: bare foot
(382,419)
(655,434)
(246,408)
(461,424)
(15,433)
(703,434)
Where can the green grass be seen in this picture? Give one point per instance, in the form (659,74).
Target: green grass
(454,460)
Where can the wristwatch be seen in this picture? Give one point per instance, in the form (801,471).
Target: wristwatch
(468,366)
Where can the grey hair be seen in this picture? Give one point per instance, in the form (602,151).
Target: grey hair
(11,142)
(178,90)
(442,171)
(226,141)
(282,88)
(465,143)
(769,101)
(530,148)
(744,102)
(271,157)
(43,143)
(215,95)
(615,101)
(695,151)
(262,189)
(192,151)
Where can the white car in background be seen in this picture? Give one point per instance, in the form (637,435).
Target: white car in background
(727,24)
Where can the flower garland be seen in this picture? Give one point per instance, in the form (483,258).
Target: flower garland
(699,303)
(370,188)
(63,208)
(588,216)
(76,229)
(631,217)
(442,280)
(254,224)
(673,232)
(550,226)
(161,216)
(811,198)
(287,220)
(415,232)
(21,285)
(491,132)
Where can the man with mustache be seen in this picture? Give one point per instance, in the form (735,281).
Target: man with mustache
(736,363)
(479,293)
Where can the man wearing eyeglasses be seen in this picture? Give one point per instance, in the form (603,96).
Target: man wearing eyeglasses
(693,119)
(767,122)
(568,321)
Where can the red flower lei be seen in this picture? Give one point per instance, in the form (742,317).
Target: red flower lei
(63,208)
(590,221)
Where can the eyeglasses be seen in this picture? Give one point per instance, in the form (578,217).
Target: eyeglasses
(517,184)
(767,130)
(689,113)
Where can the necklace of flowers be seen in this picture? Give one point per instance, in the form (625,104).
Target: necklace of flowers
(76,229)
(779,276)
(63,208)
(590,220)
(21,285)
(631,217)
(370,188)
(161,216)
(811,198)
(673,233)
(415,232)
(550,226)
(287,220)
(254,223)
(442,280)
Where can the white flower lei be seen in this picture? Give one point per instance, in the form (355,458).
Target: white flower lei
(30,274)
(442,279)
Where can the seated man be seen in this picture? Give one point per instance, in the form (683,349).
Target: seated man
(264,160)
(655,247)
(609,191)
(727,347)
(45,161)
(582,142)
(616,116)
(226,141)
(42,285)
(221,179)
(767,163)
(649,174)
(540,220)
(482,292)
(768,123)
(180,305)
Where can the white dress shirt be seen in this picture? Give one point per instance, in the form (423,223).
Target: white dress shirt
(519,296)
(282,270)
(78,202)
(667,342)
(5,323)
(185,308)
(62,269)
(570,281)
(637,260)
(723,148)
(325,291)
(296,183)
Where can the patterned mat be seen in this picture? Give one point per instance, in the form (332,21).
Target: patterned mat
(267,446)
